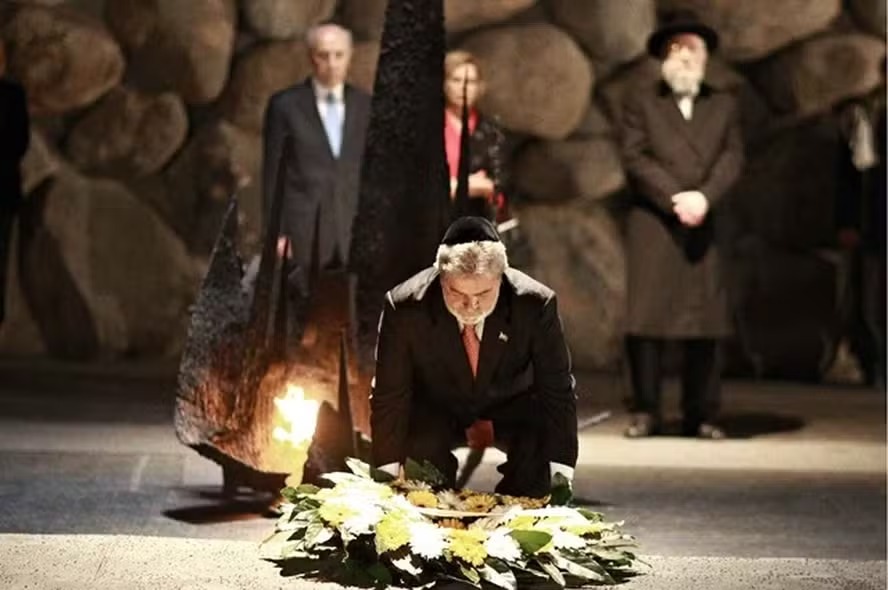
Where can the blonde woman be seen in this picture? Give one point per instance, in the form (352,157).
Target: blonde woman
(463,79)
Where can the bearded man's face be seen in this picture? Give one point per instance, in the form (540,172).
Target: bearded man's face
(684,63)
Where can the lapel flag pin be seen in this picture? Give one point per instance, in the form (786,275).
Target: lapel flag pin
(503,337)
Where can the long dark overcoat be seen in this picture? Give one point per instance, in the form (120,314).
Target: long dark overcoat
(676,287)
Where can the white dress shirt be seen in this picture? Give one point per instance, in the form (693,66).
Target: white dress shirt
(321,92)
(686,106)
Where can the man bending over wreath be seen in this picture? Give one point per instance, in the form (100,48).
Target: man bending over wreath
(472,351)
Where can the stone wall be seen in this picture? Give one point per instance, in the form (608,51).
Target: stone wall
(148,115)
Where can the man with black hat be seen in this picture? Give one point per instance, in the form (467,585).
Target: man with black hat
(470,350)
(683,151)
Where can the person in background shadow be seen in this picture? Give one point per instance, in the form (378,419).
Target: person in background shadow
(682,152)
(326,120)
(487,176)
(14,138)
(860,229)
(470,350)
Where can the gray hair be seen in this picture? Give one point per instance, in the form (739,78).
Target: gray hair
(472,258)
(311,36)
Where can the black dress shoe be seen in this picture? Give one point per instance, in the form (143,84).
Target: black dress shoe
(642,425)
(705,430)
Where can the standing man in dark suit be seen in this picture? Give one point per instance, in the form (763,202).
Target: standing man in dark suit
(683,151)
(14,137)
(470,350)
(326,119)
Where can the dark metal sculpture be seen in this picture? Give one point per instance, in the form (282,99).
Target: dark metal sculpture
(404,203)
(237,358)
(236,362)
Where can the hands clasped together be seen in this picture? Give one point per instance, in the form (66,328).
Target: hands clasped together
(691,207)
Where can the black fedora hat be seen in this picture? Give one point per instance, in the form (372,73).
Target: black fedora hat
(678,22)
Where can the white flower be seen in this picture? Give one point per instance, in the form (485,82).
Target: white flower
(362,523)
(427,540)
(405,564)
(564,540)
(502,546)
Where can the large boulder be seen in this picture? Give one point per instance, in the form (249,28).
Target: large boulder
(257,75)
(283,19)
(40,162)
(362,72)
(538,79)
(752,29)
(185,47)
(462,15)
(577,250)
(870,15)
(221,160)
(559,170)
(102,274)
(813,76)
(364,18)
(65,59)
(129,134)
(612,32)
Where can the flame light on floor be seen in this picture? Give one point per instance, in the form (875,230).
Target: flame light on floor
(299,415)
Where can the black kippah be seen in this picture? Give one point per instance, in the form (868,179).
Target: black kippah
(470,229)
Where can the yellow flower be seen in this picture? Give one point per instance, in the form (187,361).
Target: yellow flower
(468,545)
(423,499)
(392,533)
(336,512)
(521,522)
(479,503)
(451,523)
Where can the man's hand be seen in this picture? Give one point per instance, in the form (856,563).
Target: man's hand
(690,207)
(284,247)
(562,490)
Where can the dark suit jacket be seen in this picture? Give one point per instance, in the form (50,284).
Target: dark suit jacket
(320,191)
(486,145)
(676,288)
(422,368)
(14,138)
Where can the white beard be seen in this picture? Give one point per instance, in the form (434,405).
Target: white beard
(469,320)
(683,79)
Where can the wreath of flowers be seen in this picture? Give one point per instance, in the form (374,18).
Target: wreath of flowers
(370,529)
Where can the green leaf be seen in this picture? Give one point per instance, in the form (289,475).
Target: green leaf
(380,476)
(579,571)
(471,574)
(561,492)
(503,579)
(553,572)
(358,467)
(590,515)
(609,554)
(315,534)
(425,472)
(531,541)
(298,493)
(380,573)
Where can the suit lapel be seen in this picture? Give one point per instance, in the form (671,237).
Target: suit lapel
(699,123)
(348,126)
(308,104)
(447,339)
(497,330)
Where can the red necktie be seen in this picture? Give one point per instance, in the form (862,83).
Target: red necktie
(480,433)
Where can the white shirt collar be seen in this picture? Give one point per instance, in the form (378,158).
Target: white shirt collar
(479,328)
(322,91)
